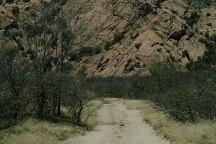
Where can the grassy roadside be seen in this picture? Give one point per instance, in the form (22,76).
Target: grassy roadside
(203,132)
(33,131)
(90,114)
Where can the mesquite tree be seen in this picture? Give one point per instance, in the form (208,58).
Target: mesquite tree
(36,75)
(49,39)
(44,39)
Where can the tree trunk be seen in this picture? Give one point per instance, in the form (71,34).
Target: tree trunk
(59,107)
(191,114)
(54,106)
(79,121)
(41,103)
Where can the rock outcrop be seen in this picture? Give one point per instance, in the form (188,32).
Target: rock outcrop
(136,35)
(133,35)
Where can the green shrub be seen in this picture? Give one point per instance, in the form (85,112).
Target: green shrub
(202,3)
(186,96)
(208,60)
(117,38)
(144,9)
(193,19)
(89,51)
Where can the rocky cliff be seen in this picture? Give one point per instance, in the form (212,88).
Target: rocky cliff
(136,34)
(131,35)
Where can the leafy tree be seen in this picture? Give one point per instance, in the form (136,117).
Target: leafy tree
(77,97)
(13,77)
(49,40)
(208,60)
(44,38)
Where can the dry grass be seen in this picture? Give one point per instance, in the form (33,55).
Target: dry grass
(34,131)
(200,133)
(89,116)
(109,100)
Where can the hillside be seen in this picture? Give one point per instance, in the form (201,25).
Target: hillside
(133,35)
(122,38)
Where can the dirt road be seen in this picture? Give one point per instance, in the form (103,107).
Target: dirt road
(117,125)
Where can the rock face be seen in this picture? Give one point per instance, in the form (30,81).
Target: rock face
(136,35)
